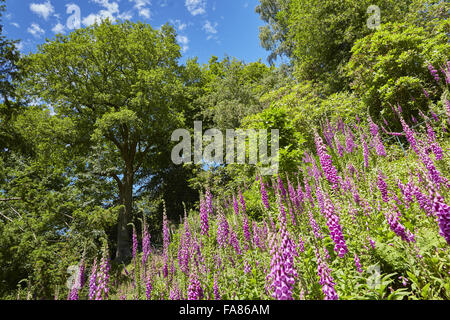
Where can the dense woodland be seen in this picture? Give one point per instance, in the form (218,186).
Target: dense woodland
(86,177)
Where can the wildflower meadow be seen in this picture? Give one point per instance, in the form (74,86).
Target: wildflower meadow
(256,150)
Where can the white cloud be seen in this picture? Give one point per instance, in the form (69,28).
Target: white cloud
(110,10)
(35,30)
(138,4)
(145,13)
(42,9)
(180,26)
(19,46)
(127,15)
(15,24)
(142,6)
(210,29)
(183,40)
(196,7)
(91,19)
(59,28)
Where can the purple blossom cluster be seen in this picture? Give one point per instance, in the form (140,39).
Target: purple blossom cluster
(195,290)
(433,72)
(264,196)
(146,250)
(325,161)
(382,186)
(223,231)
(204,218)
(335,229)
(325,278)
(103,277)
(93,281)
(393,219)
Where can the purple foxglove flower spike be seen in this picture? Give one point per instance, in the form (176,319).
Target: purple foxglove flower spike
(195,290)
(358,264)
(433,72)
(242,202)
(282,274)
(93,281)
(325,161)
(235,205)
(264,197)
(326,280)
(204,218)
(383,187)
(148,286)
(216,290)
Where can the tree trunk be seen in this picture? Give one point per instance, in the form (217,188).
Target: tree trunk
(125,215)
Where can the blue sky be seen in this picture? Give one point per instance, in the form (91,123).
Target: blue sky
(204,27)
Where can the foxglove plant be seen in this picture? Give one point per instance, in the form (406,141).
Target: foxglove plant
(93,281)
(256,241)
(234,242)
(365,151)
(216,290)
(325,161)
(247,267)
(148,286)
(433,72)
(357,264)
(235,205)
(374,130)
(204,218)
(103,276)
(339,147)
(335,228)
(441,210)
(293,195)
(393,219)
(242,202)
(222,230)
(308,192)
(325,278)
(195,290)
(166,242)
(174,293)
(209,202)
(264,197)
(281,188)
(301,245)
(300,195)
(314,226)
(146,250)
(382,186)
(349,141)
(282,274)
(246,230)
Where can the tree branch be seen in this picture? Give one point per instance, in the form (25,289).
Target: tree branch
(11,199)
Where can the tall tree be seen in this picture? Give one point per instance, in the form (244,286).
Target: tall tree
(324,32)
(10,107)
(274,35)
(233,89)
(120,84)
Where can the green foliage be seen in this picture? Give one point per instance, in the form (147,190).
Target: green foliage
(273,36)
(390,67)
(324,31)
(233,89)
